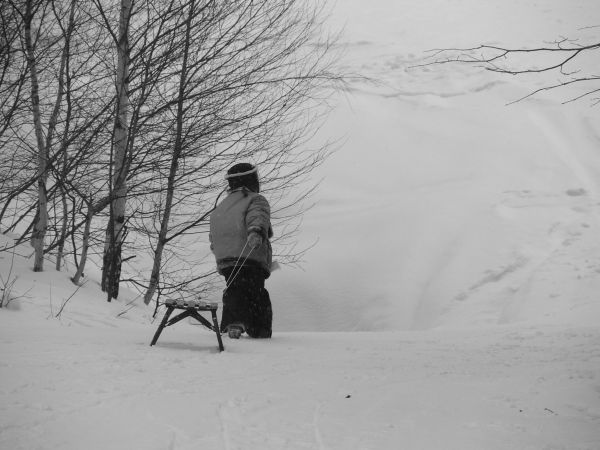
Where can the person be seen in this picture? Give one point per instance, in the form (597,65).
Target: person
(240,233)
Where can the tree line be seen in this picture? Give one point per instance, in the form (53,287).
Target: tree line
(119,118)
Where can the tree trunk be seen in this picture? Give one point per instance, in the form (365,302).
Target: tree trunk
(92,210)
(115,231)
(65,209)
(65,76)
(86,243)
(41,220)
(63,230)
(164,225)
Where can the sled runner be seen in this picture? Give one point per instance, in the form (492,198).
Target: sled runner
(190,308)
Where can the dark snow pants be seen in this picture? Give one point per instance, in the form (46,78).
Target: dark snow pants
(247,302)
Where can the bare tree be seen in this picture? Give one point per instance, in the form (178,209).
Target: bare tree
(41,48)
(141,110)
(41,221)
(115,230)
(13,72)
(246,73)
(13,83)
(72,111)
(64,86)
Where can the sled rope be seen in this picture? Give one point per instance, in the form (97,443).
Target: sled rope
(234,272)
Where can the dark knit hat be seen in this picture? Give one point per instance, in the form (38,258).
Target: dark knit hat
(243,175)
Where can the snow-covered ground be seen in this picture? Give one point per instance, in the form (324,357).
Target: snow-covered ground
(444,206)
(91,381)
(451,302)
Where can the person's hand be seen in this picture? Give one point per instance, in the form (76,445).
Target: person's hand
(255,240)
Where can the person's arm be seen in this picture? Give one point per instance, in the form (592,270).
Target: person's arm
(258,220)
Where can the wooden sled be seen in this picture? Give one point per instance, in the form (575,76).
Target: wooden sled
(190,308)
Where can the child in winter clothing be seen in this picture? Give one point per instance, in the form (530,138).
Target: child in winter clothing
(240,229)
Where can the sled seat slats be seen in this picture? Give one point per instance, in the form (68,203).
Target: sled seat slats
(190,308)
(195,304)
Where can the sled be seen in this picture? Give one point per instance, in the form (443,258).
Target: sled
(191,308)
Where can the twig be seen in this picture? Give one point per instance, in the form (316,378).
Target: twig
(51,307)
(8,284)
(70,297)
(126,310)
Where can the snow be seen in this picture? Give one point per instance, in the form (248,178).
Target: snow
(91,381)
(444,206)
(451,301)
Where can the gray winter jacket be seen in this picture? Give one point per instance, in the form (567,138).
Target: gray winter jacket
(239,214)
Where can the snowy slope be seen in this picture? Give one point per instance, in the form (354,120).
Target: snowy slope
(444,206)
(464,231)
(89,380)
(327,391)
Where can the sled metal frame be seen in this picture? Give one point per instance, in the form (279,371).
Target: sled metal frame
(191,308)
